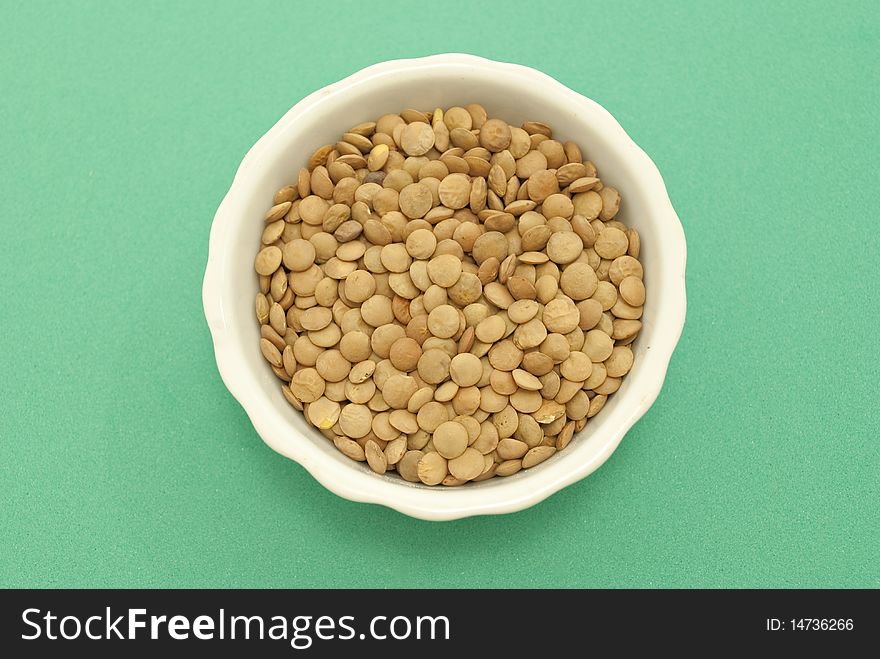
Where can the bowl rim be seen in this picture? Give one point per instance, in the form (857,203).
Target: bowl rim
(438,504)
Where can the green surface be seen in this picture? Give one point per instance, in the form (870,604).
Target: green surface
(125,462)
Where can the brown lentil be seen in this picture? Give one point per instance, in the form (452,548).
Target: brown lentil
(448,296)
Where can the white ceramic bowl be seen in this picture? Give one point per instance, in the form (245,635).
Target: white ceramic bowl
(512,92)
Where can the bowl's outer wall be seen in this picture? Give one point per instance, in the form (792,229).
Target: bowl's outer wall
(511,92)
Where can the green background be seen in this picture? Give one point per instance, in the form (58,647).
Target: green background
(125,462)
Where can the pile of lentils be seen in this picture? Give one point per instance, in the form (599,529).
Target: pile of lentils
(448,296)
